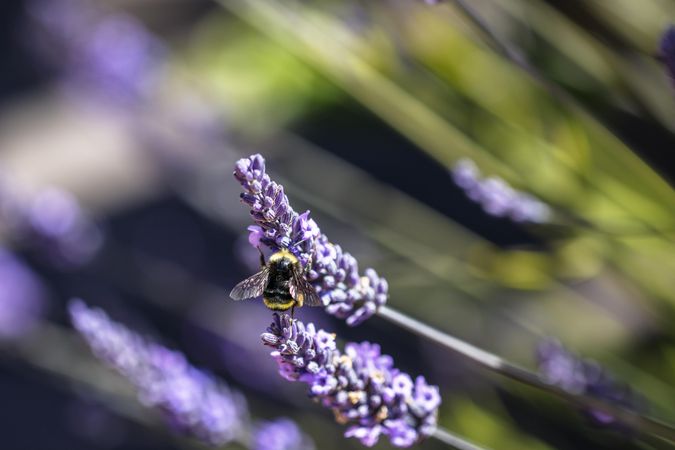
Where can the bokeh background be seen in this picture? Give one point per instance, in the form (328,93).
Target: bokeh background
(120,122)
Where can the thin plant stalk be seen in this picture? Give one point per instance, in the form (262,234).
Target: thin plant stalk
(453,441)
(499,365)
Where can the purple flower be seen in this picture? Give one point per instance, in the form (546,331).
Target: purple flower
(22,297)
(191,400)
(51,223)
(562,368)
(54,224)
(496,197)
(361,385)
(113,55)
(281,434)
(118,56)
(334,273)
(667,51)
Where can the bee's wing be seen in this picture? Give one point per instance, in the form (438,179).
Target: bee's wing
(303,287)
(251,287)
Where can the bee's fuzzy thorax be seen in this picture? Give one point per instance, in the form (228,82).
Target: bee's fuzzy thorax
(283,254)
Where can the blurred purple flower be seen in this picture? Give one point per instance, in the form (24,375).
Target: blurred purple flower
(667,51)
(562,368)
(22,297)
(360,385)
(333,272)
(194,402)
(51,223)
(113,55)
(54,224)
(280,434)
(498,198)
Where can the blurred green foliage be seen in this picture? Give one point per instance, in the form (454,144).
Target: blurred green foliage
(602,281)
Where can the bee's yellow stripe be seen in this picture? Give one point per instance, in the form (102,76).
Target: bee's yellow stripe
(278,306)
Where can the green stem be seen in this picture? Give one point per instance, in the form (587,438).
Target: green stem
(498,365)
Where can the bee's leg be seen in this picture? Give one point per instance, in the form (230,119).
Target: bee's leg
(308,265)
(262,258)
(293,311)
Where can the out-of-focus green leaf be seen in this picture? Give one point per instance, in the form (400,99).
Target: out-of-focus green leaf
(487,429)
(260,84)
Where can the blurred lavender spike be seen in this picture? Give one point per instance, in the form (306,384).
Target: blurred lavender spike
(22,297)
(280,434)
(55,225)
(191,400)
(334,273)
(496,197)
(52,223)
(577,376)
(113,55)
(667,51)
(360,385)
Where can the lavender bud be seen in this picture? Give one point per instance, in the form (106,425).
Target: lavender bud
(281,434)
(194,402)
(361,385)
(562,368)
(55,225)
(496,197)
(333,272)
(112,55)
(667,51)
(22,297)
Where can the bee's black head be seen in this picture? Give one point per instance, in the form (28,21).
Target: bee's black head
(284,264)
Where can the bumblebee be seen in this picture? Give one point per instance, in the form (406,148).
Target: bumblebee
(281,282)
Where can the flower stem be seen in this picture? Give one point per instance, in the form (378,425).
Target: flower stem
(454,441)
(497,364)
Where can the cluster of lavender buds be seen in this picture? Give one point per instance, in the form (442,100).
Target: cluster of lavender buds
(667,51)
(51,223)
(112,54)
(22,297)
(562,368)
(280,434)
(496,197)
(333,272)
(360,385)
(194,402)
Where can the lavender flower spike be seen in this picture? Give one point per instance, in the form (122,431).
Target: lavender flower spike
(22,297)
(52,223)
(667,51)
(496,197)
(360,385)
(562,368)
(191,400)
(334,273)
(112,55)
(280,434)
(55,225)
